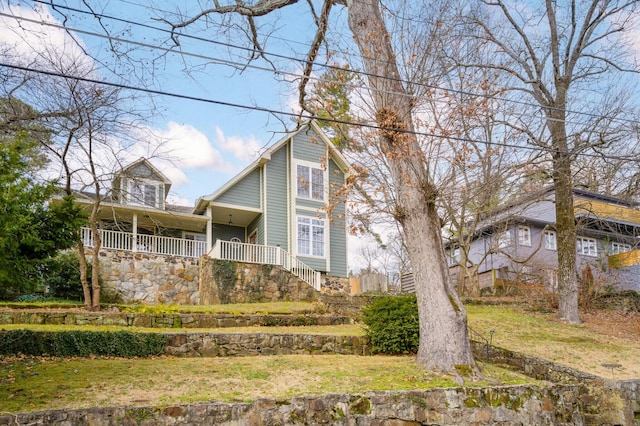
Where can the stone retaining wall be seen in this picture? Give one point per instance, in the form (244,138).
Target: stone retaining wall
(128,319)
(224,281)
(143,277)
(243,344)
(507,405)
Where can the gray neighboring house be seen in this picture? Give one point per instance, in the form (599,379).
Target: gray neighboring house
(518,242)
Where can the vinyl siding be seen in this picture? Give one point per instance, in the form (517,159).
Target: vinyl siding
(258,223)
(337,226)
(308,146)
(245,193)
(226,232)
(276,187)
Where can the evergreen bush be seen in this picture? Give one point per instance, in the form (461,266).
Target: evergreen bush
(62,276)
(391,323)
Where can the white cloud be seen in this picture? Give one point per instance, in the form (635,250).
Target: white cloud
(245,150)
(31,42)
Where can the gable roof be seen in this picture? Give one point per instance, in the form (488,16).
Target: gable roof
(335,154)
(123,173)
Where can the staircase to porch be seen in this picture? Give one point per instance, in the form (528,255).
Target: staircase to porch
(265,255)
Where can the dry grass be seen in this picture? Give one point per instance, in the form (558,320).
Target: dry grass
(32,384)
(606,337)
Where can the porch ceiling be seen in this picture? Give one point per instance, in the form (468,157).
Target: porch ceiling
(239,216)
(153,217)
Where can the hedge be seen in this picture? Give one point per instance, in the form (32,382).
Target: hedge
(81,343)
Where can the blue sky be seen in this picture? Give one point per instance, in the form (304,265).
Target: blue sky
(209,143)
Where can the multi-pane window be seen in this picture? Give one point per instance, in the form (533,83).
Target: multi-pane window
(310,236)
(143,193)
(310,182)
(524,235)
(550,240)
(587,246)
(619,248)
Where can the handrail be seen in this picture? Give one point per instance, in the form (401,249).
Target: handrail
(152,244)
(266,255)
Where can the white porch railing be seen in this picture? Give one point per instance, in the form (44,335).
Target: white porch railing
(267,255)
(153,244)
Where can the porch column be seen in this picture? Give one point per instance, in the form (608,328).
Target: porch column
(209,229)
(134,231)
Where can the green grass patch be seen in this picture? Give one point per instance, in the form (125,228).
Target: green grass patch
(31,384)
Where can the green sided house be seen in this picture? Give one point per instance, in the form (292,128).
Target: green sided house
(276,210)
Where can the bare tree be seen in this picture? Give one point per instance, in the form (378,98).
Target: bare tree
(84,127)
(444,342)
(562,57)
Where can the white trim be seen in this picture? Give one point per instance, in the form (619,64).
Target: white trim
(551,243)
(311,165)
(236,207)
(129,181)
(592,243)
(524,235)
(324,242)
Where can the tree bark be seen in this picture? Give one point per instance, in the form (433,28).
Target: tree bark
(444,342)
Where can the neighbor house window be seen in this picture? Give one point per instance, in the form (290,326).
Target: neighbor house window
(310,236)
(524,235)
(550,241)
(310,182)
(504,239)
(143,193)
(587,246)
(619,248)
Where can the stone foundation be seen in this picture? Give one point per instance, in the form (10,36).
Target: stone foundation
(224,281)
(147,278)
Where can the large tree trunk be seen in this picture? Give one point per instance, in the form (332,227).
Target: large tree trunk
(444,343)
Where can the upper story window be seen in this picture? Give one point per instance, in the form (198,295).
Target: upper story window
(310,182)
(587,246)
(550,240)
(619,248)
(143,193)
(524,235)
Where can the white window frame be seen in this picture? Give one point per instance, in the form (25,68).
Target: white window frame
(310,249)
(524,235)
(587,246)
(550,240)
(307,186)
(144,184)
(617,248)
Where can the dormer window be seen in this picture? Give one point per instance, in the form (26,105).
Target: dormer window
(143,193)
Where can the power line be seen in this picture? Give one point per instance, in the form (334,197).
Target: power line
(305,61)
(304,116)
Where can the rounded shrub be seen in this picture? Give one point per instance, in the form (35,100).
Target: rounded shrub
(392,325)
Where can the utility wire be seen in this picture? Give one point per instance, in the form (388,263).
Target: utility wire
(307,116)
(305,61)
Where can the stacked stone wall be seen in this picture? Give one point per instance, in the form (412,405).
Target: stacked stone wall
(508,405)
(148,278)
(224,281)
